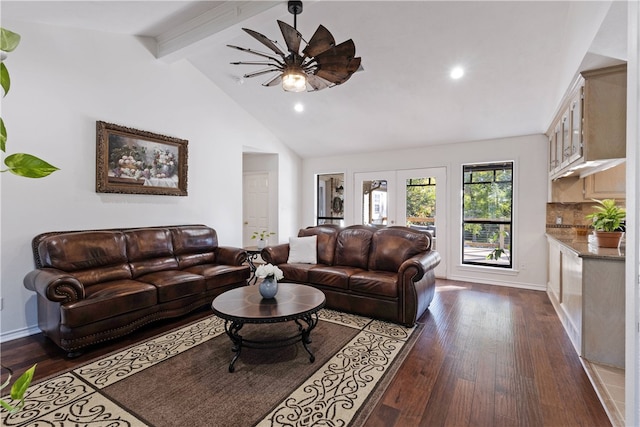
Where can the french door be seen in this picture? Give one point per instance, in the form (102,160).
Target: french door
(414,198)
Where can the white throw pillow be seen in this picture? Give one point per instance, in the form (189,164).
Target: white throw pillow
(302,250)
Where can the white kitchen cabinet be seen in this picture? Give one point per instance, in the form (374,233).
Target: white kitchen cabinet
(586,287)
(555,269)
(571,300)
(608,184)
(590,126)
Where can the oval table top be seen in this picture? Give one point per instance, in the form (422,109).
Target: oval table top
(245,303)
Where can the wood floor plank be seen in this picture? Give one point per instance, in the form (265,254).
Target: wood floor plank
(487,356)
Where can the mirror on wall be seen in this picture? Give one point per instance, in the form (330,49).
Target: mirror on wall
(330,192)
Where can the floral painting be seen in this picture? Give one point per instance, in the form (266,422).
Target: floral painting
(139,162)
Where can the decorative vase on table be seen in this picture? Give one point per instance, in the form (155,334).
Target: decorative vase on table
(268,287)
(270,274)
(262,243)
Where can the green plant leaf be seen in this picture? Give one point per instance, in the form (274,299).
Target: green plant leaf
(5,81)
(8,40)
(28,166)
(607,216)
(3,136)
(19,388)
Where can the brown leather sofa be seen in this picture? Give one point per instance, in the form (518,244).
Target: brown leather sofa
(97,285)
(385,273)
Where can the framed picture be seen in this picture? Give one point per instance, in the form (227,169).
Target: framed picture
(139,162)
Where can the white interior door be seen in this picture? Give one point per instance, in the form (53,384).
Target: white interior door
(255,205)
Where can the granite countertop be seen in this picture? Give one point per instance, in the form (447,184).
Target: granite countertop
(587,249)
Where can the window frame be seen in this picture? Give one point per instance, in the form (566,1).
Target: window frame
(501,222)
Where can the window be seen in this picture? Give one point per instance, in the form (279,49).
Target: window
(487,214)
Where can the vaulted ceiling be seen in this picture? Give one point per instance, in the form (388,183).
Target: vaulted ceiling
(519,59)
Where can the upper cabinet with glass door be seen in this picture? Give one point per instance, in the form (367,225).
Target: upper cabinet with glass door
(590,128)
(575,139)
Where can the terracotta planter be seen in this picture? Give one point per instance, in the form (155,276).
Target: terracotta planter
(608,239)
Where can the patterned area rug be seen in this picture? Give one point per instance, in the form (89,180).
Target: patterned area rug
(181,378)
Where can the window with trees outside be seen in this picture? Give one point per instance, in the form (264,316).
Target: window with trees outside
(421,205)
(487,214)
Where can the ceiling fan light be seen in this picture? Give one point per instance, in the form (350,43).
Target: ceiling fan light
(294,80)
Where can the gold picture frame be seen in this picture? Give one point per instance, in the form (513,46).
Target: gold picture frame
(132,161)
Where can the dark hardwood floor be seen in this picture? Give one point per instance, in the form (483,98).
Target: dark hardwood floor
(488,356)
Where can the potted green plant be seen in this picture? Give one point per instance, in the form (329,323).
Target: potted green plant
(262,237)
(607,221)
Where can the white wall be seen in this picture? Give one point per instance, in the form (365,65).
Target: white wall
(62,82)
(632,315)
(530,196)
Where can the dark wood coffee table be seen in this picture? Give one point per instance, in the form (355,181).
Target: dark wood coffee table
(293,302)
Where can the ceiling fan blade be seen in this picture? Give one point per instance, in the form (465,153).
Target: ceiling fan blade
(255,52)
(254,63)
(274,81)
(333,77)
(343,66)
(345,49)
(317,83)
(261,72)
(320,41)
(265,41)
(291,37)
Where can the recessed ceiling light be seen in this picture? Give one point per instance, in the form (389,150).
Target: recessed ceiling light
(299,107)
(457,72)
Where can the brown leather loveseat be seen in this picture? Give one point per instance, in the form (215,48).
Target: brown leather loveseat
(385,273)
(97,285)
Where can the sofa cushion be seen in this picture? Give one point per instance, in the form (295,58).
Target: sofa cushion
(108,299)
(174,284)
(296,272)
(193,245)
(91,256)
(218,276)
(335,276)
(379,283)
(303,250)
(150,250)
(392,246)
(352,247)
(327,235)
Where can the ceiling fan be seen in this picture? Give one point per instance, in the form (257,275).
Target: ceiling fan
(320,65)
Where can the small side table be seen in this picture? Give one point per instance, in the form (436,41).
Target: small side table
(253,252)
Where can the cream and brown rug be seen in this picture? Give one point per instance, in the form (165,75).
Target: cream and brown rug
(181,378)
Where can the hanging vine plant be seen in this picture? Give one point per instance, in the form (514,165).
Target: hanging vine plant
(20,164)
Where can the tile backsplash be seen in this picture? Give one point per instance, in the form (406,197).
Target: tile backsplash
(567,218)
(569,214)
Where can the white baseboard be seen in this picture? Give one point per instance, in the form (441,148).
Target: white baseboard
(18,333)
(508,283)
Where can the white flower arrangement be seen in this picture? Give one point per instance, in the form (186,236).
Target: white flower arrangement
(269,270)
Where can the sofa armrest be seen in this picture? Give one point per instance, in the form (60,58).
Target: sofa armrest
(230,256)
(54,285)
(418,265)
(278,254)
